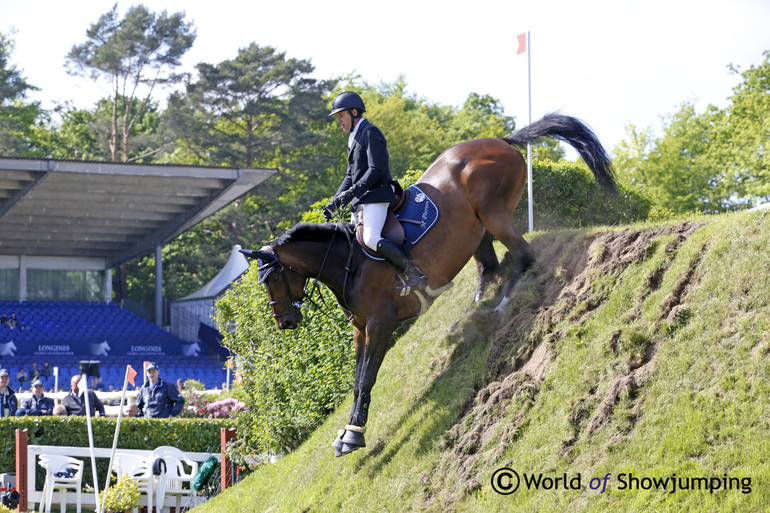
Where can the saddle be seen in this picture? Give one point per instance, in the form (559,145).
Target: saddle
(409,219)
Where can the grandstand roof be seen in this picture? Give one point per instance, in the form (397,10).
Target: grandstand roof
(109,210)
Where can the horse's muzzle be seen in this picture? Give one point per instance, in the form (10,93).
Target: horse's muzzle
(290,321)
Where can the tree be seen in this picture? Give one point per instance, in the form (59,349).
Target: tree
(85,134)
(17,118)
(748,126)
(258,109)
(417,130)
(714,161)
(244,111)
(134,55)
(481,116)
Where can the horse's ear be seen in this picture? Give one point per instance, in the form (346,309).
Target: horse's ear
(262,255)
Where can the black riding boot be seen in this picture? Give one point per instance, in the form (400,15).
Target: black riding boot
(415,280)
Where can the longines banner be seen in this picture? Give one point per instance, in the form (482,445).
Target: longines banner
(104,348)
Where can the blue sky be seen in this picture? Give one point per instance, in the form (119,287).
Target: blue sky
(610,63)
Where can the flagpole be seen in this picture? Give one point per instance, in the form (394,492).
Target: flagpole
(529,146)
(115,438)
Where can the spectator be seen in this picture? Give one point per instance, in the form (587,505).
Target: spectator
(13,322)
(46,371)
(114,401)
(8,402)
(21,377)
(34,371)
(4,320)
(157,398)
(38,404)
(97,384)
(75,402)
(60,410)
(179,385)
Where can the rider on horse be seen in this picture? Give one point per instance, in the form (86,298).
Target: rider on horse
(368,184)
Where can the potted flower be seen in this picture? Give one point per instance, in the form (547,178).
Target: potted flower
(122,496)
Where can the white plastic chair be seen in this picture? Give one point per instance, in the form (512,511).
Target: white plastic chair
(138,468)
(172,481)
(53,464)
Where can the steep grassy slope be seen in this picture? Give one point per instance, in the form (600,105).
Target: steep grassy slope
(628,355)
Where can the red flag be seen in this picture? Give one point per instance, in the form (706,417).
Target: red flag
(131,375)
(522,43)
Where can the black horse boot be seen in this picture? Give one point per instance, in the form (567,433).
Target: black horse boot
(415,279)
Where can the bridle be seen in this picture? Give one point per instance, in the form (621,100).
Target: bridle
(265,270)
(270,263)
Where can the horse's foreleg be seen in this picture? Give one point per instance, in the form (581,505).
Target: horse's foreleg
(359,340)
(369,356)
(486,264)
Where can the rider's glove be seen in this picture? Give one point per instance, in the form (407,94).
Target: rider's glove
(343,198)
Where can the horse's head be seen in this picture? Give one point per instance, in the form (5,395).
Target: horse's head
(285,287)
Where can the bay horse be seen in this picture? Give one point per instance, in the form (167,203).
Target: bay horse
(476,185)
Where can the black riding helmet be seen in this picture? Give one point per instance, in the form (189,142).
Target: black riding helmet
(347,100)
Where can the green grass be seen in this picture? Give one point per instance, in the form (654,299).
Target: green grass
(687,318)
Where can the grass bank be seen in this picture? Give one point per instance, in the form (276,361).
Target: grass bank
(632,363)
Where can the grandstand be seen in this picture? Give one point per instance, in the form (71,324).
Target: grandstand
(64,225)
(64,333)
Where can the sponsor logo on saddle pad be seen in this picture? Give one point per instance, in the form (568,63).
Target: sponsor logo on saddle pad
(417,216)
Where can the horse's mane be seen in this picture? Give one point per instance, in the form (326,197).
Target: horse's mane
(313,232)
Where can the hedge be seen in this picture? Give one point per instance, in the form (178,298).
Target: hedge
(567,196)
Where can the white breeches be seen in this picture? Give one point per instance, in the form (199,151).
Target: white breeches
(374,215)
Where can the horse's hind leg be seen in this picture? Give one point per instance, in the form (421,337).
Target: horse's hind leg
(501,226)
(486,263)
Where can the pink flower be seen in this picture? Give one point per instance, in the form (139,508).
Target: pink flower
(224,408)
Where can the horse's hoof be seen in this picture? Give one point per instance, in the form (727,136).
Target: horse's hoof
(348,440)
(353,438)
(348,448)
(342,449)
(337,444)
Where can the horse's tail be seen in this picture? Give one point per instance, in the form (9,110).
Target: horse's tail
(575,133)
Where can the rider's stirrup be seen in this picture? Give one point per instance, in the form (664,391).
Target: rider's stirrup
(415,280)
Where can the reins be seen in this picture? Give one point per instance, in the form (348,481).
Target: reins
(326,310)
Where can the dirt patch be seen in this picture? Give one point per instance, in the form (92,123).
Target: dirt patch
(561,286)
(673,302)
(619,385)
(538,364)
